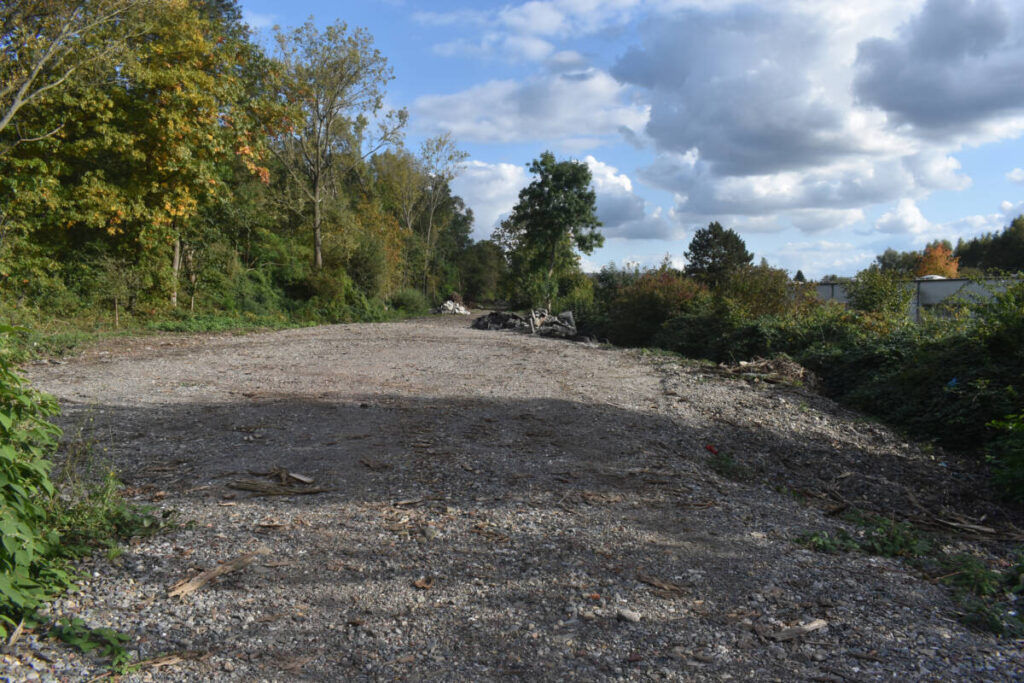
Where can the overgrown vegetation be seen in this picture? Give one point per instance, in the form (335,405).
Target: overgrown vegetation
(985,589)
(48,519)
(955,379)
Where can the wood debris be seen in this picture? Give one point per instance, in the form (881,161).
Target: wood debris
(665,589)
(192,585)
(487,530)
(374,465)
(262,488)
(797,631)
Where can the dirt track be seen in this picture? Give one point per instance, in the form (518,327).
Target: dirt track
(555,502)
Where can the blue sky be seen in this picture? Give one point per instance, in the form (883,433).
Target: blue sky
(822,131)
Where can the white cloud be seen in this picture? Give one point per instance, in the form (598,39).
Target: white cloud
(540,18)
(546,107)
(623,213)
(753,113)
(1016,175)
(935,170)
(257,20)
(491,190)
(456,18)
(905,218)
(528,47)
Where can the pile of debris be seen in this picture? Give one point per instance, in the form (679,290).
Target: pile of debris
(539,322)
(452,307)
(773,370)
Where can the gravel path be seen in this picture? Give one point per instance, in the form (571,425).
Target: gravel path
(501,507)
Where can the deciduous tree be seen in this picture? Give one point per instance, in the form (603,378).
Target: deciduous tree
(938,259)
(334,83)
(555,217)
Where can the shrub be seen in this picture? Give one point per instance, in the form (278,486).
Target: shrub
(410,301)
(879,291)
(759,290)
(30,569)
(701,330)
(640,308)
(1007,455)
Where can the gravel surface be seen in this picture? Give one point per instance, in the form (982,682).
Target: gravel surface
(500,507)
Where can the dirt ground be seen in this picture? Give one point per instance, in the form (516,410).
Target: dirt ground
(500,506)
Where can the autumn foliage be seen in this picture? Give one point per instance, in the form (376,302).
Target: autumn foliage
(938,259)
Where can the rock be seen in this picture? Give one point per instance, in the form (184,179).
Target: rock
(628,615)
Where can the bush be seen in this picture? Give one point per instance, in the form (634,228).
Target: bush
(759,290)
(410,301)
(702,330)
(1007,455)
(640,308)
(879,291)
(31,570)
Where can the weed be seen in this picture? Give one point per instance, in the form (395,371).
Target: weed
(824,542)
(727,466)
(890,538)
(105,641)
(970,573)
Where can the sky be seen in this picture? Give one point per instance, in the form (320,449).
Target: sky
(822,131)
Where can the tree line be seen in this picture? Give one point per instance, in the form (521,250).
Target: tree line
(154,158)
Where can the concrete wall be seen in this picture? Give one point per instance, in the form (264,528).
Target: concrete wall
(926,292)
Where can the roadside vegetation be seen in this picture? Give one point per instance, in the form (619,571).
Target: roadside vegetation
(48,518)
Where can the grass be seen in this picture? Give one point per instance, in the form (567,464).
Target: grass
(986,589)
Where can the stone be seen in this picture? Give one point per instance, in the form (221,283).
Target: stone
(629,615)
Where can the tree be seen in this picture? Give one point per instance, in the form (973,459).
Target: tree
(799,277)
(900,262)
(441,162)
(555,215)
(715,253)
(938,259)
(1002,251)
(333,83)
(43,44)
(482,268)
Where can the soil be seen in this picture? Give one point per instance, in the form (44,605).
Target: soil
(503,507)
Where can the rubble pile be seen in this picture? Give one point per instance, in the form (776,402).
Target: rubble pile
(452,308)
(539,322)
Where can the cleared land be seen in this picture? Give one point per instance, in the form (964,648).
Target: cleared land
(503,507)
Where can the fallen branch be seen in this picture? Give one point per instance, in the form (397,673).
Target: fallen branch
(797,631)
(262,488)
(192,585)
(666,589)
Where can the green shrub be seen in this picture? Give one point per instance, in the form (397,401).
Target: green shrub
(641,307)
(30,569)
(879,291)
(1006,453)
(702,330)
(410,301)
(759,290)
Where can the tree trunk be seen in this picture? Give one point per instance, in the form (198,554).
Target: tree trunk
(318,256)
(551,273)
(176,267)
(426,250)
(117,317)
